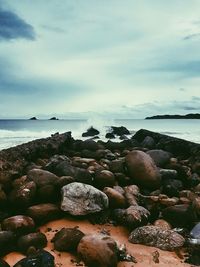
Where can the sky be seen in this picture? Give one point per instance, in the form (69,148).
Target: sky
(120,59)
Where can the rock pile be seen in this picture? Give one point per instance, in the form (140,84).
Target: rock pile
(145,183)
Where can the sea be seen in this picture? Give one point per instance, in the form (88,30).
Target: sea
(15,132)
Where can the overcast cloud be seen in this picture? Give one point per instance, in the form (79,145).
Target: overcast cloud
(127,59)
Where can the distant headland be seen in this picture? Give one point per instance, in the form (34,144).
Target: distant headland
(187,116)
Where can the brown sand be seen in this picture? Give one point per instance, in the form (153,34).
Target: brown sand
(143,254)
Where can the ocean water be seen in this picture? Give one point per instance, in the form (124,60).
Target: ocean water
(15,132)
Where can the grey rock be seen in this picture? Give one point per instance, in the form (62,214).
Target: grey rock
(195,232)
(148,142)
(160,157)
(82,199)
(157,237)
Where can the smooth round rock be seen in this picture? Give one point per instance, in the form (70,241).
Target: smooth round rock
(19,224)
(23,195)
(142,169)
(160,157)
(104,178)
(82,199)
(37,240)
(116,199)
(178,215)
(44,212)
(98,250)
(67,239)
(41,258)
(157,237)
(42,177)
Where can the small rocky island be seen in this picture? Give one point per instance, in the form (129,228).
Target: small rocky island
(53,119)
(187,116)
(33,119)
(68,202)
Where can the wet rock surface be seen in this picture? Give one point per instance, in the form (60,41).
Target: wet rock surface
(149,179)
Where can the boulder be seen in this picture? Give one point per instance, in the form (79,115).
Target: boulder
(121,130)
(18,224)
(132,217)
(117,165)
(179,215)
(37,240)
(41,258)
(110,135)
(157,237)
(142,169)
(160,157)
(82,199)
(104,178)
(148,142)
(23,195)
(98,250)
(116,199)
(67,239)
(43,213)
(90,132)
(42,177)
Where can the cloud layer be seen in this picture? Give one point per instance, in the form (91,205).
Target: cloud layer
(13,27)
(128,59)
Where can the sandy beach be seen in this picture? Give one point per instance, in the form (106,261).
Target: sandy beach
(142,254)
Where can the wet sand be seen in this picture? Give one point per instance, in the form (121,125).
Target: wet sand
(143,254)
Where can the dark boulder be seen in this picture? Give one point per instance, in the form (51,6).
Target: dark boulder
(37,240)
(67,239)
(110,135)
(43,213)
(121,130)
(90,132)
(19,224)
(41,258)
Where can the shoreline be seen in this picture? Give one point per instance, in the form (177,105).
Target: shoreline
(83,161)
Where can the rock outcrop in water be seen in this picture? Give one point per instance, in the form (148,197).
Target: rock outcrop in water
(144,184)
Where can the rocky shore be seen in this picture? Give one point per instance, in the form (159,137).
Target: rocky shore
(66,202)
